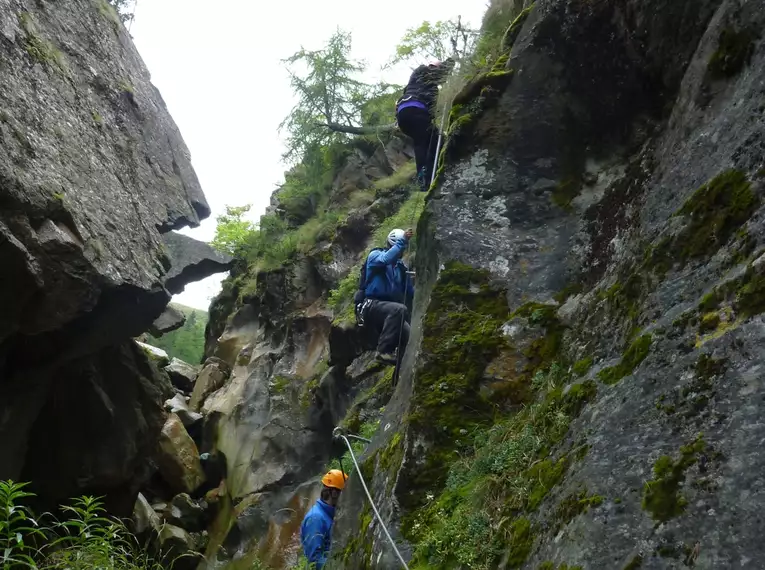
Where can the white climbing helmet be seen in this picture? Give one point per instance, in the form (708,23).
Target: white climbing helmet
(394,236)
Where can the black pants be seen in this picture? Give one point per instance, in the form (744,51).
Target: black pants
(417,124)
(387,319)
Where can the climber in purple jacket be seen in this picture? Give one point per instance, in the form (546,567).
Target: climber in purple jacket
(415,113)
(316,530)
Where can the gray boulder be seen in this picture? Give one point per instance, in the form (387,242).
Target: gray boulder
(178,457)
(97,426)
(92,171)
(179,547)
(145,519)
(182,374)
(177,405)
(212,378)
(171,319)
(187,513)
(157,355)
(191,260)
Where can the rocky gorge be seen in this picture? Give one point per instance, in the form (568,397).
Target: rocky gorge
(583,383)
(94,179)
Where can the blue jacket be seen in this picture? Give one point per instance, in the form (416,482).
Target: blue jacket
(386,276)
(315,533)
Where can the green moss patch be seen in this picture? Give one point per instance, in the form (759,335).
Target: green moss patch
(734,51)
(716,211)
(582,367)
(631,359)
(574,505)
(461,335)
(715,215)
(506,476)
(661,496)
(745,295)
(624,297)
(511,34)
(635,563)
(521,541)
(548,565)
(38,47)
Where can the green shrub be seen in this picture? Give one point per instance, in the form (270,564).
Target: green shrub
(341,299)
(85,540)
(233,232)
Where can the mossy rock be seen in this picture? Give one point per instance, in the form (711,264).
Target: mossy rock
(508,40)
(715,212)
(635,354)
(661,496)
(582,367)
(734,51)
(496,79)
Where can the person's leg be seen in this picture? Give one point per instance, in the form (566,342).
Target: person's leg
(427,141)
(414,123)
(389,317)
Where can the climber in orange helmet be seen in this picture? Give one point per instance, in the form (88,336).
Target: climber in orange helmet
(316,530)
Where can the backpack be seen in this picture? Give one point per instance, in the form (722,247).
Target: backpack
(360,294)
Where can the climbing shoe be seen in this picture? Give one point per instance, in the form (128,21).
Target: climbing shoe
(387,358)
(422,179)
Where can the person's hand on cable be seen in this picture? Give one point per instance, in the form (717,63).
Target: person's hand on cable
(408,234)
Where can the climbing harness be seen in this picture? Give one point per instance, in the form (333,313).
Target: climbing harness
(361,310)
(338,433)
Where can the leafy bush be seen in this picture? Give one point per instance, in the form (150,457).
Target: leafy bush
(87,539)
(341,299)
(233,231)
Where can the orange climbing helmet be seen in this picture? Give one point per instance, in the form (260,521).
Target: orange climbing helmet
(335,479)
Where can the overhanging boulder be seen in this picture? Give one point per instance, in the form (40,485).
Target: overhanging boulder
(191,260)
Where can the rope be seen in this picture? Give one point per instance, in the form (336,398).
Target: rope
(369,497)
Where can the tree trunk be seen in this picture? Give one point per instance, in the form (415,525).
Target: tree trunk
(351,130)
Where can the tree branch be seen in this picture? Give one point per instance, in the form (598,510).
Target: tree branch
(351,130)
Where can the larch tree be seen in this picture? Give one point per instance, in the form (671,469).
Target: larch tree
(332,100)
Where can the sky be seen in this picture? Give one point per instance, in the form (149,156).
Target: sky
(219,68)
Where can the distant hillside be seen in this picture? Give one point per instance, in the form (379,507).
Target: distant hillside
(186,343)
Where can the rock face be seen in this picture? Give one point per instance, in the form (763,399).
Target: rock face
(93,171)
(611,196)
(581,387)
(280,376)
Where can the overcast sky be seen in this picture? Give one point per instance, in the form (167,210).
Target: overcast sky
(218,66)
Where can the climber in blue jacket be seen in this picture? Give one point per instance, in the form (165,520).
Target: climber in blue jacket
(384,300)
(316,530)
